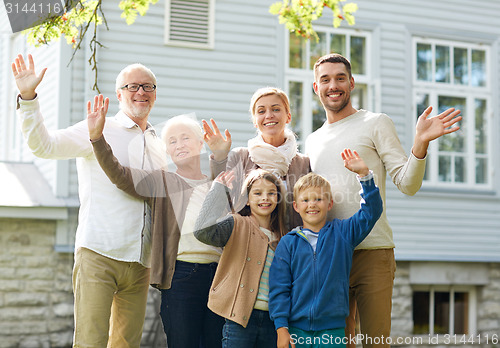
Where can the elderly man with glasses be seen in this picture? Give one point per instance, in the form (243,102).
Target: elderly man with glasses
(112,246)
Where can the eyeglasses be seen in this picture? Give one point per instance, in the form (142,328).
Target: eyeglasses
(134,87)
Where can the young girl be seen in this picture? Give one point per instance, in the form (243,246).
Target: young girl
(240,288)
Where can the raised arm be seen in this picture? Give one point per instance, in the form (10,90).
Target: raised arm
(96,117)
(354,162)
(361,223)
(218,143)
(208,229)
(139,183)
(59,144)
(429,129)
(26,79)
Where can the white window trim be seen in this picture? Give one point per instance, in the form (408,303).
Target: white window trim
(471,290)
(458,44)
(433,89)
(211,29)
(12,140)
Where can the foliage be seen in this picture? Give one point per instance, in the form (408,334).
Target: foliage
(298,15)
(133,7)
(69,25)
(75,23)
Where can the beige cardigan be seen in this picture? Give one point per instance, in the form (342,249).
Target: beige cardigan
(168,196)
(236,282)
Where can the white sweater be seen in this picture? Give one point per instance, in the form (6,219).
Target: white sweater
(374,137)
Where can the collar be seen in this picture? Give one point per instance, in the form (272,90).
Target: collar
(127,122)
(273,159)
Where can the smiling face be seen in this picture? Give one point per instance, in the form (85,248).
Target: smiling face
(333,86)
(262,199)
(136,105)
(183,145)
(313,204)
(270,117)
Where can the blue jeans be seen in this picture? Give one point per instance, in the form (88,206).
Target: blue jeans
(187,321)
(259,333)
(317,339)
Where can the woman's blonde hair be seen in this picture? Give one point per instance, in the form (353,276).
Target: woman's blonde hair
(265,91)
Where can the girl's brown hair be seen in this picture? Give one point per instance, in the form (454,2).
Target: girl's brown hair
(278,215)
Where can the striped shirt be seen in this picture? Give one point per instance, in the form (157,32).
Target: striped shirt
(263,295)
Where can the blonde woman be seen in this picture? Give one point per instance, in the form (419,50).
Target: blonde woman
(273,149)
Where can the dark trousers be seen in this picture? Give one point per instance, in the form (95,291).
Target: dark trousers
(187,321)
(259,333)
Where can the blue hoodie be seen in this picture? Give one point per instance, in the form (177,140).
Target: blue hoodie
(310,290)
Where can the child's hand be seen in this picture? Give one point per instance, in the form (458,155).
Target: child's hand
(354,163)
(226,179)
(284,340)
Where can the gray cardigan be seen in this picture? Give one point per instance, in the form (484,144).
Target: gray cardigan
(167,195)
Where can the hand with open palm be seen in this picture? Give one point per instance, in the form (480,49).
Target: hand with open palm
(96,117)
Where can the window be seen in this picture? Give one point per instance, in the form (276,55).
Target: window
(307,111)
(449,74)
(190,23)
(444,310)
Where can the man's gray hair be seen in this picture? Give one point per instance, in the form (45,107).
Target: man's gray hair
(120,79)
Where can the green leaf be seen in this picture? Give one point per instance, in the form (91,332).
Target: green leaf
(350,7)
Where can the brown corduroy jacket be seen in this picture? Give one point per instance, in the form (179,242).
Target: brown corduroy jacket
(236,282)
(167,195)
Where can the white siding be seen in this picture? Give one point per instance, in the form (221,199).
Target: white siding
(249,54)
(214,83)
(450,225)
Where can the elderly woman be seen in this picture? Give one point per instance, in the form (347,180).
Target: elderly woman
(273,149)
(182,268)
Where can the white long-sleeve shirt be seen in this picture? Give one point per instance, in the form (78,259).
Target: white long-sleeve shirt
(374,137)
(110,222)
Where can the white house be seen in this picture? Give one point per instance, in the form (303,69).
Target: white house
(209,57)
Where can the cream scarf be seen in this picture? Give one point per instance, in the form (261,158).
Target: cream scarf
(273,159)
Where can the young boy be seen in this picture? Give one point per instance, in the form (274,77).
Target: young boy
(309,277)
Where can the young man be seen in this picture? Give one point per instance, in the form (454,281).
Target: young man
(309,276)
(374,137)
(112,246)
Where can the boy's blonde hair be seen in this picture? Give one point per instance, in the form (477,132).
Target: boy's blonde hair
(309,181)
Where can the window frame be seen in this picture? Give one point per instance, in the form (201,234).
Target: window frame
(12,138)
(472,308)
(434,90)
(306,76)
